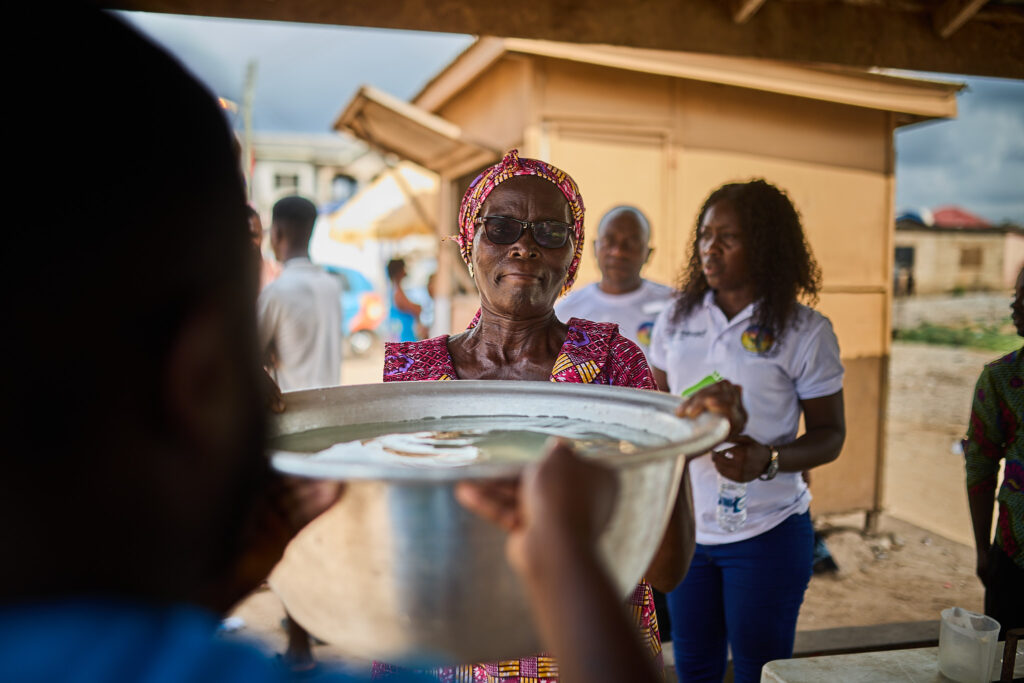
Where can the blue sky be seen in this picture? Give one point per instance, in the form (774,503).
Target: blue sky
(307,73)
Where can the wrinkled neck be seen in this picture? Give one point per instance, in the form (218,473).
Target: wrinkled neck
(517,334)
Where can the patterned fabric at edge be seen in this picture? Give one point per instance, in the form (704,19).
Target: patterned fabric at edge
(510,167)
(593,353)
(994,434)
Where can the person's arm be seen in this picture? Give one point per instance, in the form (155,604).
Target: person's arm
(983,449)
(672,559)
(403,303)
(553,518)
(286,505)
(825,423)
(267,315)
(981,500)
(581,619)
(675,552)
(660,378)
(816,372)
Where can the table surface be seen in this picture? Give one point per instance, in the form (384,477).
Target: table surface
(904,666)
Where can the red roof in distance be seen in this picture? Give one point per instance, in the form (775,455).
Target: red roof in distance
(956,217)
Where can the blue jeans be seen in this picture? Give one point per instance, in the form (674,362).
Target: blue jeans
(745,594)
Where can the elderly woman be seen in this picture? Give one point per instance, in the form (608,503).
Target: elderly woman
(521,235)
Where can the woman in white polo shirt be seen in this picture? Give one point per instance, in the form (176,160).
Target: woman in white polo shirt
(738,314)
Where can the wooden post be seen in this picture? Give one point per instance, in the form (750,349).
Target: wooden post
(443,279)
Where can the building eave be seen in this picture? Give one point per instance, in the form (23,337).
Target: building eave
(913,99)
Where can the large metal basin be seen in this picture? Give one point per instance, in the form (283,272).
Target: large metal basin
(398,571)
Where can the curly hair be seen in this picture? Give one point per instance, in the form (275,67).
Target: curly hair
(779,258)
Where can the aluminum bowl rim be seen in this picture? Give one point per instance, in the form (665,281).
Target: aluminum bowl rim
(709,429)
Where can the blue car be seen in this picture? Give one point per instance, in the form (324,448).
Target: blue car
(362,309)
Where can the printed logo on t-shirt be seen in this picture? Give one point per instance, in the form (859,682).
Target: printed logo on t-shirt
(643,333)
(757,339)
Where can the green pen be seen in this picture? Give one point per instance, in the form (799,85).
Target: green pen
(706,382)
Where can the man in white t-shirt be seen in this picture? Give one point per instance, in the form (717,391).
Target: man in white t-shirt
(622,296)
(300,311)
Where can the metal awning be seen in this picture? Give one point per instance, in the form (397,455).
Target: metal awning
(397,127)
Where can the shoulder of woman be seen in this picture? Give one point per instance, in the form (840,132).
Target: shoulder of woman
(666,316)
(593,330)
(415,360)
(414,346)
(809,323)
(629,363)
(1013,358)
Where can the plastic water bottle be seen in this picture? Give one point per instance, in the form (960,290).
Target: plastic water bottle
(732,504)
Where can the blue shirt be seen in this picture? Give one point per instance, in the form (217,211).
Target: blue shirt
(110,641)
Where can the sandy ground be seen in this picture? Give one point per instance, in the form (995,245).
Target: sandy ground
(921,561)
(923,558)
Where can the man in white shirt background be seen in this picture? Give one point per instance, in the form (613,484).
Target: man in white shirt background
(622,296)
(300,311)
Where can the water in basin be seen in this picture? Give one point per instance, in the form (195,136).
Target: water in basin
(454,441)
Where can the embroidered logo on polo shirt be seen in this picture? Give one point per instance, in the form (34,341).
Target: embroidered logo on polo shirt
(757,339)
(643,333)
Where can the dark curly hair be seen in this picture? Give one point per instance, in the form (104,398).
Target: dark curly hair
(780,260)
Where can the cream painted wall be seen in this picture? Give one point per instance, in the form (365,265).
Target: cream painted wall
(572,91)
(845,212)
(496,108)
(724,118)
(611,169)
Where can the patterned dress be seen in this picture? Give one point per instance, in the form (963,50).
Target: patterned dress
(593,353)
(994,434)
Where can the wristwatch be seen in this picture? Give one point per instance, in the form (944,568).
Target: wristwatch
(772,468)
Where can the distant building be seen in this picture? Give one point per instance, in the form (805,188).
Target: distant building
(950,249)
(327,168)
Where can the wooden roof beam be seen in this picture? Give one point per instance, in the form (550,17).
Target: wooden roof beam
(860,33)
(744,9)
(953,14)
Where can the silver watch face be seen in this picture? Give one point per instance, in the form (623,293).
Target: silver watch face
(773,466)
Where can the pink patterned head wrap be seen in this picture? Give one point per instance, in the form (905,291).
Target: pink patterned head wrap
(509,167)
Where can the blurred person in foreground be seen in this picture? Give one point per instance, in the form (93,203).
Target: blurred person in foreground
(621,296)
(521,237)
(300,311)
(993,435)
(738,314)
(137,499)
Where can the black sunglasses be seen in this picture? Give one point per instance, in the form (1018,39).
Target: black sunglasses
(506,230)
